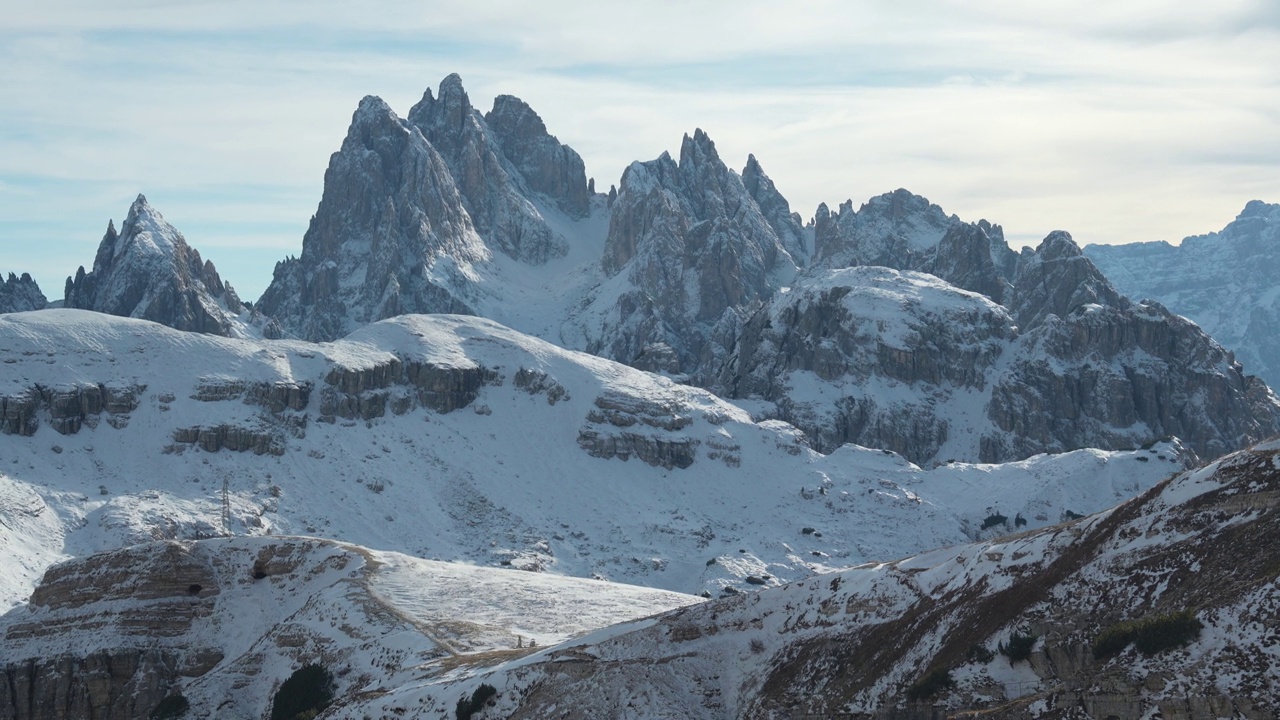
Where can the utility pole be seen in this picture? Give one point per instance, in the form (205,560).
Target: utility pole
(226,506)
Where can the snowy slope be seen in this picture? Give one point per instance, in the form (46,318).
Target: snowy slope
(456,438)
(861,640)
(201,618)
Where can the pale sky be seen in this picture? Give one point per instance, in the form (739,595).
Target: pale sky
(1138,120)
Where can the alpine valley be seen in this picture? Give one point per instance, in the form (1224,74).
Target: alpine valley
(496,444)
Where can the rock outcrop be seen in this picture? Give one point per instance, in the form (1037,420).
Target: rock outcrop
(1224,281)
(67,408)
(148,271)
(20,294)
(909,363)
(688,249)
(413,211)
(390,237)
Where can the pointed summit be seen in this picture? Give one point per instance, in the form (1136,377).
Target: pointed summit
(148,271)
(696,248)
(776,210)
(493,190)
(391,236)
(550,169)
(1057,279)
(20,294)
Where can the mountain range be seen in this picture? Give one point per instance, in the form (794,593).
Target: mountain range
(1224,281)
(680,384)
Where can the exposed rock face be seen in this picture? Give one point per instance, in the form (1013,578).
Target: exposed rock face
(111,635)
(549,168)
(1224,281)
(1089,378)
(974,257)
(888,353)
(905,362)
(777,211)
(67,408)
(390,237)
(892,230)
(20,294)
(1057,279)
(148,271)
(622,426)
(414,210)
(689,248)
(155,593)
(491,186)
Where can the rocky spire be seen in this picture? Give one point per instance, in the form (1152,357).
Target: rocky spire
(548,168)
(391,234)
(494,192)
(776,210)
(148,271)
(695,247)
(20,294)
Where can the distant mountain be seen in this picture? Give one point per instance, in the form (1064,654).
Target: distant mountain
(682,271)
(148,271)
(423,215)
(909,362)
(20,294)
(689,249)
(1224,281)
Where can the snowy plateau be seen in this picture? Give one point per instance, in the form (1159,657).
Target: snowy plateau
(496,444)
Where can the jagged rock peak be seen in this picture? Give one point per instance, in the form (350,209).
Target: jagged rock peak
(550,168)
(495,190)
(776,210)
(895,230)
(20,294)
(1057,245)
(698,148)
(1057,279)
(451,109)
(1258,208)
(147,270)
(391,236)
(697,249)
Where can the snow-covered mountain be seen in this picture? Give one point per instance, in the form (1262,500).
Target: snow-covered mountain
(689,249)
(441,213)
(906,361)
(456,438)
(148,271)
(1163,606)
(1224,281)
(682,270)
(222,623)
(19,294)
